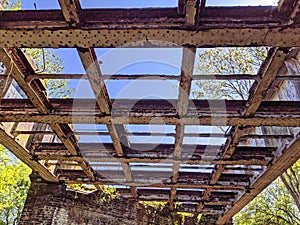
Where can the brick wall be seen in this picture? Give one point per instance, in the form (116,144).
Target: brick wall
(53,204)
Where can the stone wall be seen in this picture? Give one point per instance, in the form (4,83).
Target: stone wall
(53,204)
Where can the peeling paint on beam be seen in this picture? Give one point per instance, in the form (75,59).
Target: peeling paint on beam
(255,121)
(153,160)
(187,66)
(156,148)
(159,37)
(91,65)
(166,107)
(288,9)
(97,18)
(71,11)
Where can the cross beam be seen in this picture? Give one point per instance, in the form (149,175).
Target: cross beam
(72,13)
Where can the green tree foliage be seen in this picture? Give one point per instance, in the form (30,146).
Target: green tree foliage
(48,62)
(10,4)
(274,206)
(14,185)
(108,194)
(225,61)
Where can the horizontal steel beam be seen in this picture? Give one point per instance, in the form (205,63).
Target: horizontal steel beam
(100,18)
(154,106)
(155,37)
(235,26)
(154,134)
(153,77)
(153,160)
(215,120)
(146,147)
(195,77)
(156,77)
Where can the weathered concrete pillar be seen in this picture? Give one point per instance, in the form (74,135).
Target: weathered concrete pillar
(53,204)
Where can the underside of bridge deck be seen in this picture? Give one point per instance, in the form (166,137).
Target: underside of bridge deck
(207,156)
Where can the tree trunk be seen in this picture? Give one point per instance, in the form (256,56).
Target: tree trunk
(293,189)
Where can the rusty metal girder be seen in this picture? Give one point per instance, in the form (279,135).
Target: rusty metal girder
(162,37)
(84,118)
(49,29)
(165,107)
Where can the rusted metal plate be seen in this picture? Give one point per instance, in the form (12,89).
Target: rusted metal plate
(162,37)
(66,118)
(166,107)
(97,18)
